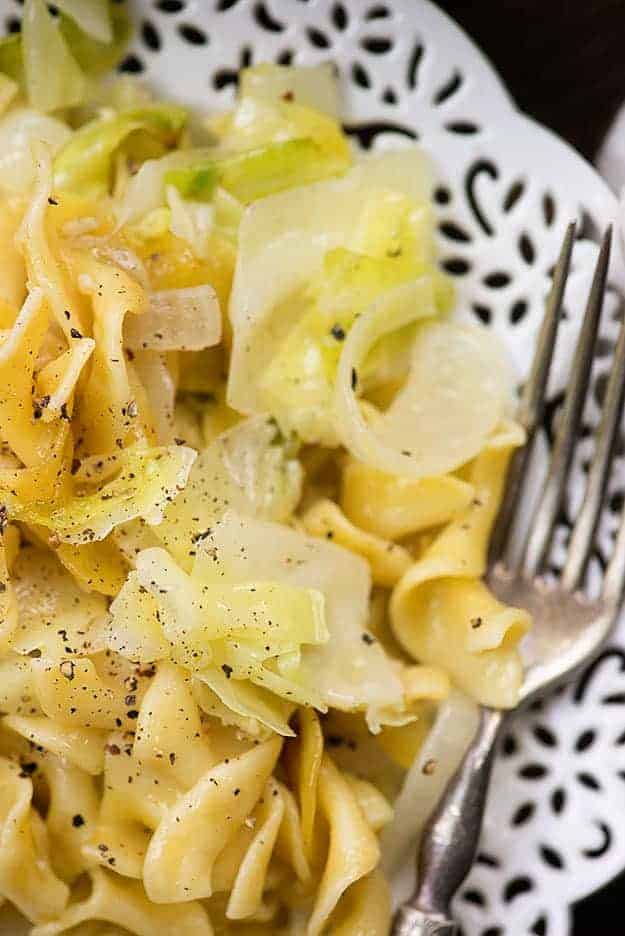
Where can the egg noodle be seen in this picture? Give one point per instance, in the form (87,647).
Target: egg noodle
(249,466)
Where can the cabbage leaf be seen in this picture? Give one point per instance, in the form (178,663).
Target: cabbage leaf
(378,209)
(250,468)
(147,480)
(83,165)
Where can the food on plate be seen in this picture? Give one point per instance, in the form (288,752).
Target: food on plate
(250,463)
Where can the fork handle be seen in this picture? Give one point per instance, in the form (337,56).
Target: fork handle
(450,838)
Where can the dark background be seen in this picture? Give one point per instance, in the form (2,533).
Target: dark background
(564,62)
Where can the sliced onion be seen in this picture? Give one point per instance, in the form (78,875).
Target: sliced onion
(315,86)
(160,389)
(442,751)
(177,320)
(455,394)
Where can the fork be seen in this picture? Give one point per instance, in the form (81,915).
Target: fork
(569,628)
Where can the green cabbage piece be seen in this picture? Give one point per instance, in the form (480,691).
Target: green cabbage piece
(11,61)
(52,75)
(61,57)
(250,468)
(241,703)
(298,385)
(257,172)
(197,182)
(350,670)
(146,482)
(233,637)
(83,166)
(94,56)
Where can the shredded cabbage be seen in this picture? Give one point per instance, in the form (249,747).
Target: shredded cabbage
(84,164)
(256,122)
(53,77)
(250,468)
(92,16)
(346,672)
(281,252)
(53,60)
(257,172)
(146,482)
(298,385)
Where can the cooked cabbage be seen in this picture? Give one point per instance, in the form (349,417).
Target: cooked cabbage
(315,86)
(53,77)
(147,480)
(83,166)
(250,468)
(281,252)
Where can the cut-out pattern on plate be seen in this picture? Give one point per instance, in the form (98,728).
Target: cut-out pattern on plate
(505,189)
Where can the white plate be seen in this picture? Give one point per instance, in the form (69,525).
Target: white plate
(554,827)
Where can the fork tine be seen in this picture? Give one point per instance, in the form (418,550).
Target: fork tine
(532,402)
(542,525)
(586,523)
(614,580)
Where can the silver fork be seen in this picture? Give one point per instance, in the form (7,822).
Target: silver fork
(568,628)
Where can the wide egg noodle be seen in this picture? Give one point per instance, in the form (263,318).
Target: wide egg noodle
(353,850)
(176,870)
(393,507)
(26,875)
(442,597)
(124,902)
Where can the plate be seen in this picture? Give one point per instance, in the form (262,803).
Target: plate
(506,189)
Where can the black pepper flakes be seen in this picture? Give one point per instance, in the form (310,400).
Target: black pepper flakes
(78,821)
(354,378)
(227,670)
(337,332)
(75,333)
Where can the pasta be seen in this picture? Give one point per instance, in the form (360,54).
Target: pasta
(248,472)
